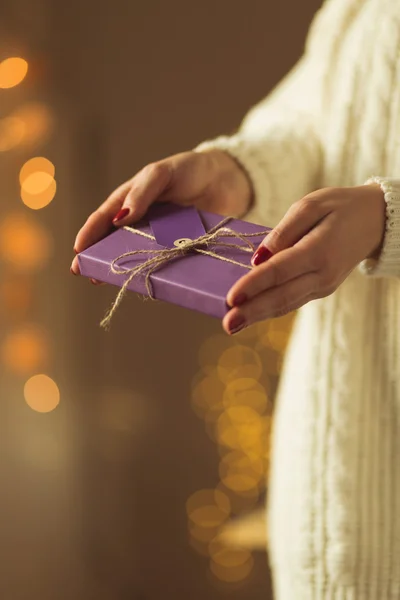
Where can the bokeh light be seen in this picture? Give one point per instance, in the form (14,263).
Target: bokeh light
(246,392)
(241,428)
(231,565)
(13,70)
(45,187)
(208,497)
(38,122)
(241,463)
(208,516)
(24,243)
(35,165)
(38,186)
(204,534)
(239,362)
(12,132)
(231,395)
(25,350)
(41,393)
(243,501)
(207,395)
(275,333)
(240,482)
(211,350)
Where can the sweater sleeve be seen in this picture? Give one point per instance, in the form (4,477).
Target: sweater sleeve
(278,143)
(388,263)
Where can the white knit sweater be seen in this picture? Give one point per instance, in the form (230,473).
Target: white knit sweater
(334,510)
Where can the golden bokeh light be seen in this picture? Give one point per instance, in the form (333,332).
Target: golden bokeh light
(202,534)
(231,394)
(239,427)
(240,564)
(13,70)
(246,392)
(24,243)
(208,516)
(241,482)
(239,362)
(207,394)
(41,393)
(275,333)
(38,164)
(12,132)
(15,297)
(276,339)
(25,350)
(37,183)
(39,199)
(38,122)
(243,463)
(228,557)
(241,501)
(211,350)
(38,186)
(208,497)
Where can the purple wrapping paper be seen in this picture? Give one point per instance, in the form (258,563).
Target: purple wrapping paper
(193,281)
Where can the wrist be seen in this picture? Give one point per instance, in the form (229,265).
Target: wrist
(234,180)
(378,203)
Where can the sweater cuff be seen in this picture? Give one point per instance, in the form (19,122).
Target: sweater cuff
(388,263)
(250,158)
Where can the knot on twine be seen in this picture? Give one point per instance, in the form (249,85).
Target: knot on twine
(183,247)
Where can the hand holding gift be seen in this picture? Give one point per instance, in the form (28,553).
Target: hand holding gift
(212,181)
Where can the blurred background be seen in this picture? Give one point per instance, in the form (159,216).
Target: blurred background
(134,463)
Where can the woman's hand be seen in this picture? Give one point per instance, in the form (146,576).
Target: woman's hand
(321,239)
(210,180)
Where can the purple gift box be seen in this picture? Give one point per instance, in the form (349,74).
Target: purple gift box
(187,277)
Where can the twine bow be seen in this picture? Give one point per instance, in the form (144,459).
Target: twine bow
(163,256)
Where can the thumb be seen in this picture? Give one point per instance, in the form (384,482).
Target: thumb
(146,187)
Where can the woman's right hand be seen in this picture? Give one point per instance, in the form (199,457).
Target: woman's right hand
(211,180)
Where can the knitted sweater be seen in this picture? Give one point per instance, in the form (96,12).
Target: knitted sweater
(334,509)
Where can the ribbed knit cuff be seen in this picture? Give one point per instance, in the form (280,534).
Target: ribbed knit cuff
(388,263)
(249,156)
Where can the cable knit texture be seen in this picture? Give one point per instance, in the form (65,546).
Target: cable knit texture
(334,507)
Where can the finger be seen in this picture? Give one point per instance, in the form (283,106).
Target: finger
(99,224)
(96,282)
(75,270)
(281,268)
(298,221)
(273,303)
(146,187)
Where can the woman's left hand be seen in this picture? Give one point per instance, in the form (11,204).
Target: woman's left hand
(321,239)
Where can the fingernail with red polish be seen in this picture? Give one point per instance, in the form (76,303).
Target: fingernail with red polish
(121,215)
(261,255)
(236,324)
(239,300)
